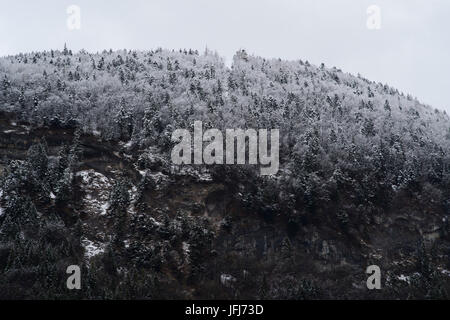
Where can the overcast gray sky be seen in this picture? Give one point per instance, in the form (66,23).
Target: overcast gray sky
(410,52)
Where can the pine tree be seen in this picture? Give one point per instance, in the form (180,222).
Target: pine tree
(35,102)
(22,98)
(124,121)
(387,107)
(5,85)
(119,200)
(263,289)
(101,64)
(64,187)
(38,160)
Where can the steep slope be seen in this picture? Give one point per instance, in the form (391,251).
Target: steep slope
(363,180)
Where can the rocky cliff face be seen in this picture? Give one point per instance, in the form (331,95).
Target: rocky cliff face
(188,233)
(86,178)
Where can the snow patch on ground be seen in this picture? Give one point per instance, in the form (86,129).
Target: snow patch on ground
(156,223)
(158,177)
(201,175)
(104,208)
(204,177)
(186,251)
(404,278)
(227,280)
(185,246)
(407,279)
(96,189)
(92,249)
(133,193)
